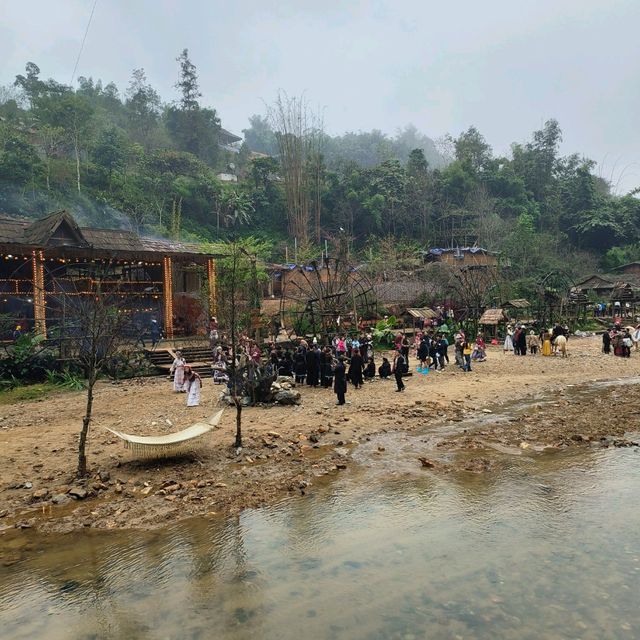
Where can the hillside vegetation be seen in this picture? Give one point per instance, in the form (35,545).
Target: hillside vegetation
(128,159)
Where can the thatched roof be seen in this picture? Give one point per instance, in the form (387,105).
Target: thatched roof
(422,314)
(493,316)
(518,303)
(59,231)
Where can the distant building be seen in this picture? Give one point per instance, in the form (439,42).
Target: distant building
(461,256)
(229,141)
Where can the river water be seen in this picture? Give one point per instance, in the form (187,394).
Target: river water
(546,546)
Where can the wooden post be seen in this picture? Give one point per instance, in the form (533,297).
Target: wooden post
(212,274)
(39,309)
(167,285)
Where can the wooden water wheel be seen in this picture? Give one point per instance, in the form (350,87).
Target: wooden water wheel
(325,297)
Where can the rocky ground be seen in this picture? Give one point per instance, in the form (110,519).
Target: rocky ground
(288,448)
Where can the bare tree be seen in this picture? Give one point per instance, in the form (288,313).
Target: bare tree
(94,326)
(300,138)
(470,288)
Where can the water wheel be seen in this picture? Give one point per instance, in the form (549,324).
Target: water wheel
(325,297)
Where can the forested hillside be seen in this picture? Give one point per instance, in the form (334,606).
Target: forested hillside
(124,157)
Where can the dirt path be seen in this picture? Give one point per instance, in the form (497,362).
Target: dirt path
(286,448)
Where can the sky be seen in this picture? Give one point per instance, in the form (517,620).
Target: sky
(504,66)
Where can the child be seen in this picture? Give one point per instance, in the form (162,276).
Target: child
(479,353)
(193,385)
(466,353)
(533,342)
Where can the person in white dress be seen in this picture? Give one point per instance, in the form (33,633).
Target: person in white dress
(508,341)
(177,368)
(193,385)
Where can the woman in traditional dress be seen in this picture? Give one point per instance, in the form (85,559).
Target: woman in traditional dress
(479,352)
(546,343)
(193,385)
(219,369)
(177,368)
(508,341)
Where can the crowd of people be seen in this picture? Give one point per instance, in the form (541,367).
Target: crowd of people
(345,361)
(621,340)
(351,361)
(522,340)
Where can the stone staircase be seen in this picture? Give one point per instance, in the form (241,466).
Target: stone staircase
(199,358)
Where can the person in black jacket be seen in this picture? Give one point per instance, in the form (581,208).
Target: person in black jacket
(340,381)
(423,351)
(384,370)
(313,366)
(370,369)
(300,365)
(399,365)
(355,369)
(325,367)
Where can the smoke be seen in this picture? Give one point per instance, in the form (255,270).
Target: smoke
(87,212)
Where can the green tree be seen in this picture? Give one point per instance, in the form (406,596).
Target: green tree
(472,150)
(260,137)
(110,151)
(143,108)
(193,128)
(20,164)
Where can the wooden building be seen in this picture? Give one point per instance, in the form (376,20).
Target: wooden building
(43,261)
(519,310)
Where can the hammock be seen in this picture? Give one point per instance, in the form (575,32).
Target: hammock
(170,445)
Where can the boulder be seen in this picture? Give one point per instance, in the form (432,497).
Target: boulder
(79,493)
(287,396)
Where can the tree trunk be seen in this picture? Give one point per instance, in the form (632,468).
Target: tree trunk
(77,150)
(82,458)
(238,422)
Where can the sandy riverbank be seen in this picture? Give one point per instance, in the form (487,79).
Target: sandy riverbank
(285,448)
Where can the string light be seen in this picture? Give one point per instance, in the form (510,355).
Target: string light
(39,313)
(168,296)
(213,286)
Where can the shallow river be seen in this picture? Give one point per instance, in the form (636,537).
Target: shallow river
(547,546)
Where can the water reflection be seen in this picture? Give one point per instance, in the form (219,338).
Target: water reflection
(536,550)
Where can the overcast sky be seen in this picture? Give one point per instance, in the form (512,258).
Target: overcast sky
(504,66)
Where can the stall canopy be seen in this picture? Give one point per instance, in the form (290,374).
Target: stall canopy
(422,314)
(493,317)
(519,303)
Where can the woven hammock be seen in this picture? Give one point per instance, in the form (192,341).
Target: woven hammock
(170,445)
